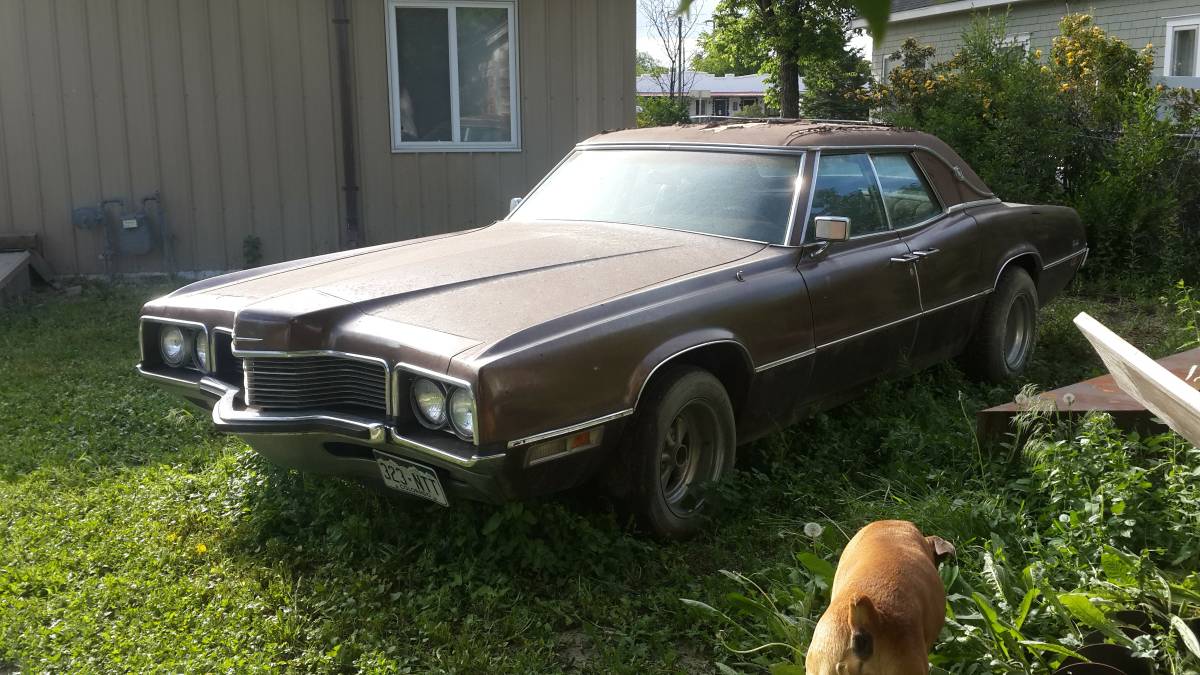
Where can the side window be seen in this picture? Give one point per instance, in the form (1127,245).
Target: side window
(905,193)
(845,187)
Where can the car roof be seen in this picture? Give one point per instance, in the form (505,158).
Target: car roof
(799,134)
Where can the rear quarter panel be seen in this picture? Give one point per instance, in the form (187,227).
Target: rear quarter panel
(1049,235)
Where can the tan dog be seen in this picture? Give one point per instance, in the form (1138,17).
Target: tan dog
(888,604)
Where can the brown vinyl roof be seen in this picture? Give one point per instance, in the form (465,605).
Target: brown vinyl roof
(798,134)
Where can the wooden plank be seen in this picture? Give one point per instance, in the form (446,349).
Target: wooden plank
(320,130)
(237,198)
(58,234)
(20,242)
(290,129)
(260,127)
(204,141)
(173,119)
(373,125)
(16,113)
(1163,393)
(83,146)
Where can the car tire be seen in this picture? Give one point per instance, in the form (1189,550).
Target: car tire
(1003,343)
(683,439)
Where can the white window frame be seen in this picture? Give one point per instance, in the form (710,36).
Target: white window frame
(399,146)
(1016,39)
(1180,23)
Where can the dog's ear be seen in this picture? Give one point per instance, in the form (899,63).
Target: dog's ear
(941,548)
(862,623)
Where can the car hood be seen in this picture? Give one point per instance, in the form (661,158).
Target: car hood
(444,295)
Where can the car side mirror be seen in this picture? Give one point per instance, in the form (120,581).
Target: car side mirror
(831,228)
(514,203)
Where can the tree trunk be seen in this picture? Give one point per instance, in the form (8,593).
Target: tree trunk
(789,87)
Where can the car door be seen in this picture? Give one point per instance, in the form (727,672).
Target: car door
(948,256)
(862,291)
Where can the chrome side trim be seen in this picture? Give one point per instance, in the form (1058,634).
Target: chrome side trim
(959,301)
(546,435)
(650,375)
(868,331)
(787,359)
(887,215)
(434,451)
(962,206)
(443,378)
(1076,254)
(177,322)
(996,281)
(793,215)
(811,193)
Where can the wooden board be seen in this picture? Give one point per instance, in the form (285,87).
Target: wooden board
(1163,393)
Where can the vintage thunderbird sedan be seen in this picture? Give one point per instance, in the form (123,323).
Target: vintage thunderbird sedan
(661,297)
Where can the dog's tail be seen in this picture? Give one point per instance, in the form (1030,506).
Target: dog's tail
(863,620)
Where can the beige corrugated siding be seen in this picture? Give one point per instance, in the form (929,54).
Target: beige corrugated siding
(228,108)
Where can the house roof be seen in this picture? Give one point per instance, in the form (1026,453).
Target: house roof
(719,85)
(908,10)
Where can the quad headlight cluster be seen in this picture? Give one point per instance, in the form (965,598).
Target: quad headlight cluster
(183,347)
(444,406)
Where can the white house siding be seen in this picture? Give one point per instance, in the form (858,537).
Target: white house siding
(1137,23)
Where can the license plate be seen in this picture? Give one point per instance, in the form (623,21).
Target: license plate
(413,479)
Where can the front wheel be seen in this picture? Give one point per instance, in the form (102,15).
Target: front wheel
(683,439)
(1007,332)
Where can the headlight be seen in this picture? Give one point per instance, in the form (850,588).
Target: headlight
(462,413)
(173,344)
(200,349)
(430,402)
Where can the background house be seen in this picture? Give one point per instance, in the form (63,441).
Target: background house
(232,110)
(717,95)
(1172,26)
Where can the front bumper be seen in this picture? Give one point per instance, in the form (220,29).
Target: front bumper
(344,446)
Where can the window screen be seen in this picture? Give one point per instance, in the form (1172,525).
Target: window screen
(1183,52)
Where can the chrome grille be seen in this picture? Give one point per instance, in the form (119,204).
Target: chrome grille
(316,382)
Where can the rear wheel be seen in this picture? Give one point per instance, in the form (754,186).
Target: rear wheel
(683,440)
(1007,332)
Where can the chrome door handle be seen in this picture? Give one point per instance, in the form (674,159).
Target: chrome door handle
(906,258)
(925,252)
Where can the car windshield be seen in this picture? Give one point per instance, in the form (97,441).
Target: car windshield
(732,194)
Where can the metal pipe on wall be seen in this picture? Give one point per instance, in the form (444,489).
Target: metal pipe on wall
(351,236)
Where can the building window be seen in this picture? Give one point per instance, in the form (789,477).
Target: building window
(1019,40)
(1183,58)
(452,70)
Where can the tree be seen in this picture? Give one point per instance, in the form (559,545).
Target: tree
(789,32)
(875,12)
(837,88)
(730,46)
(671,30)
(646,64)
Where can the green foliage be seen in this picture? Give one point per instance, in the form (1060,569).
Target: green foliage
(657,111)
(1186,304)
(1084,129)
(837,88)
(876,13)
(756,110)
(645,64)
(775,37)
(134,538)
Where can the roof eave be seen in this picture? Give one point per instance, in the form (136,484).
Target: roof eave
(937,10)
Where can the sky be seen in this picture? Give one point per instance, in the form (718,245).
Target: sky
(648,43)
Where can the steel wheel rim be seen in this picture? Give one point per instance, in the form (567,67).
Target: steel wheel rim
(690,454)
(1018,332)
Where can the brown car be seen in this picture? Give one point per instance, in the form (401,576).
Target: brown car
(662,296)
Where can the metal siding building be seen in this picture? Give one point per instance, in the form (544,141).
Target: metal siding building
(1033,22)
(230,108)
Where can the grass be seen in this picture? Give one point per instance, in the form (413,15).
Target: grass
(134,538)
